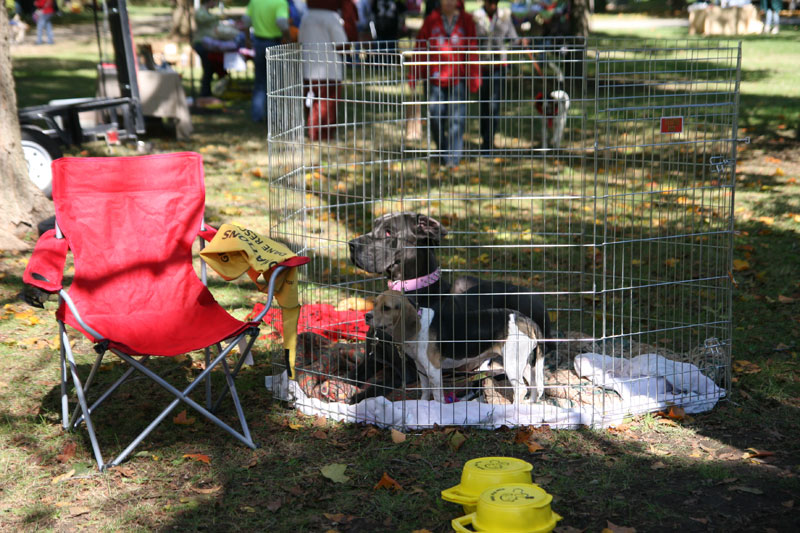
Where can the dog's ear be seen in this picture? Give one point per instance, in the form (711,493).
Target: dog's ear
(430,228)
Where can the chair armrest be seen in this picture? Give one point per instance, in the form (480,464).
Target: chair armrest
(208,233)
(45,269)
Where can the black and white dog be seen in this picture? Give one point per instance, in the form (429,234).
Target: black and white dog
(437,340)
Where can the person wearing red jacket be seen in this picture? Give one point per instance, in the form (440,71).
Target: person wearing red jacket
(45,9)
(446,38)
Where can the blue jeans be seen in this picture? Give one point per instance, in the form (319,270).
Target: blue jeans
(258,110)
(448,120)
(43,23)
(490,96)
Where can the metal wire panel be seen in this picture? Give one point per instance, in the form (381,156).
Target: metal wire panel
(597,176)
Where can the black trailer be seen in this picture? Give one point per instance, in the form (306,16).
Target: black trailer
(48,128)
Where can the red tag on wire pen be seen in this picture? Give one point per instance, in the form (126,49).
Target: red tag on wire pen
(671,124)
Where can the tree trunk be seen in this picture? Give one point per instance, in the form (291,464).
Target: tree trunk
(182,18)
(22,205)
(579,16)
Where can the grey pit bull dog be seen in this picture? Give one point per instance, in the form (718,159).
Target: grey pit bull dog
(402,246)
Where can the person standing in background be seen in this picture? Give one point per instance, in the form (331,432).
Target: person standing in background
(323,38)
(449,34)
(270,22)
(45,9)
(495,26)
(772,20)
(205,23)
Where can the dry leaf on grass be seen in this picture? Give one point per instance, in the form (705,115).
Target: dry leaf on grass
(67,453)
(335,472)
(198,457)
(613,528)
(742,488)
(62,477)
(207,490)
(387,483)
(456,440)
(182,419)
(398,436)
(752,452)
(77,511)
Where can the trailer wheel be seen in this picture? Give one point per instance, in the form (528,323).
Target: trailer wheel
(40,151)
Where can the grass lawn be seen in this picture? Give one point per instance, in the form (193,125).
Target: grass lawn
(733,469)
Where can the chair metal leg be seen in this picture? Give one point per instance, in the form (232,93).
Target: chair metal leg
(82,401)
(207,352)
(103,397)
(62,340)
(86,386)
(237,367)
(236,403)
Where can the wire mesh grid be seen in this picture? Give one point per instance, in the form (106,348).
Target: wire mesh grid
(594,178)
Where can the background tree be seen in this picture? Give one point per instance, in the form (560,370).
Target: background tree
(579,17)
(22,204)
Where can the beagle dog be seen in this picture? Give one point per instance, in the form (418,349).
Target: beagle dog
(437,340)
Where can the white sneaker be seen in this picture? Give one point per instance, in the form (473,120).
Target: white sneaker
(774,30)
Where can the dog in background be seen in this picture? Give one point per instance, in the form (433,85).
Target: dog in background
(18,29)
(437,340)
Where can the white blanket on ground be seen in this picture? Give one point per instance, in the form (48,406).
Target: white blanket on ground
(645,383)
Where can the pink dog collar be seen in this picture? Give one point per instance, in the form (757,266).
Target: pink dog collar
(416,283)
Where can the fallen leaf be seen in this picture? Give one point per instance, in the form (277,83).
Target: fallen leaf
(740,265)
(534,446)
(421,531)
(183,420)
(676,413)
(198,457)
(274,505)
(124,471)
(387,483)
(320,422)
(62,477)
(786,299)
(207,490)
(752,452)
(294,426)
(742,366)
(456,440)
(247,509)
(742,488)
(788,504)
(77,511)
(701,520)
(335,518)
(319,434)
(67,452)
(335,472)
(398,436)
(613,528)
(658,465)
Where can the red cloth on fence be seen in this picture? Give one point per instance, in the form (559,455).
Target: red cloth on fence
(322,319)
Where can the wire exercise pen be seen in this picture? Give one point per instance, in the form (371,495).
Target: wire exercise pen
(595,175)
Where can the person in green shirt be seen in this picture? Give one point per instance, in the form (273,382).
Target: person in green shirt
(206,23)
(270,22)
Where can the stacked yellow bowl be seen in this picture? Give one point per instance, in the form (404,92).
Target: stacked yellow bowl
(498,496)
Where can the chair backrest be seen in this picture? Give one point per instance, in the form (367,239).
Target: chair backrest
(130,223)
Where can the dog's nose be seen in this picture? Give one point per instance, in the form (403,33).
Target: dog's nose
(368,318)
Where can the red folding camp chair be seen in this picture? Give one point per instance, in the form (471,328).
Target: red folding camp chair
(130,223)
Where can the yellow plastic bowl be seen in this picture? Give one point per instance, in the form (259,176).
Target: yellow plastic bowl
(510,508)
(484,472)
